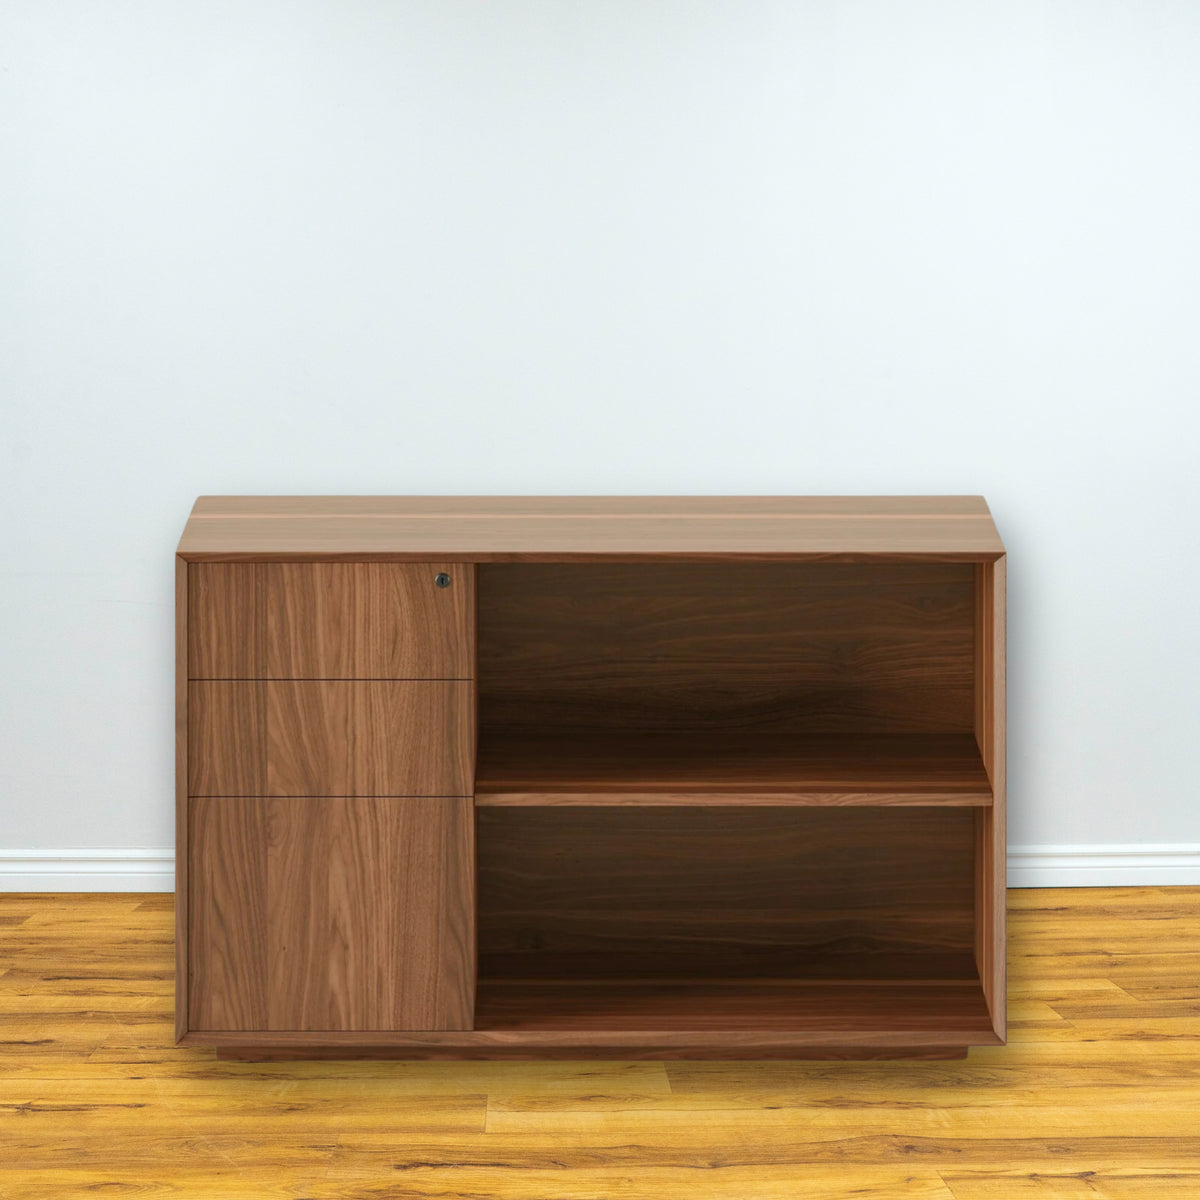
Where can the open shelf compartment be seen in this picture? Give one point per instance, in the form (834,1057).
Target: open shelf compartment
(742,796)
(737,682)
(815,921)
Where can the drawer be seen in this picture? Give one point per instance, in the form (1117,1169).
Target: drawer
(355,620)
(331,738)
(347,913)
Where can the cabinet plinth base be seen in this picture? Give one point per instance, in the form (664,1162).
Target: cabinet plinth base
(801,1053)
(665,1019)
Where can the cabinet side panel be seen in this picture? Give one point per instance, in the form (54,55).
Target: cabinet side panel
(226,620)
(227,914)
(369,621)
(181,797)
(990,824)
(368,913)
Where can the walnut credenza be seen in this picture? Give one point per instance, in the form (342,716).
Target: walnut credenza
(590,777)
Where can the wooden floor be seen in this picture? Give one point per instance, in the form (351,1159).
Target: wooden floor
(1096,1095)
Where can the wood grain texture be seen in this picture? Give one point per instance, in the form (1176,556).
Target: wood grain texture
(643,1047)
(809,647)
(181,792)
(95,1097)
(990,826)
(227,904)
(719,893)
(825,1009)
(287,620)
(365,620)
(332,914)
(500,528)
(227,739)
(753,799)
(371,914)
(549,765)
(633,507)
(227,621)
(634,1045)
(331,738)
(374,739)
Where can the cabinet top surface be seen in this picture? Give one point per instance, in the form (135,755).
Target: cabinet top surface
(514,528)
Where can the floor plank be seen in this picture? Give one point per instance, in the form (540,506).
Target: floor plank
(383,1177)
(1082,1185)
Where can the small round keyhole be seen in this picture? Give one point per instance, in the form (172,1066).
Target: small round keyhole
(442,579)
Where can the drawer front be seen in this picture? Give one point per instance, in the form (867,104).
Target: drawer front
(351,913)
(330,738)
(331,620)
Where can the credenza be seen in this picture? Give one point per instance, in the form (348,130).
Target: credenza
(624,777)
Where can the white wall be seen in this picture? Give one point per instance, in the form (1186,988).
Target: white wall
(601,246)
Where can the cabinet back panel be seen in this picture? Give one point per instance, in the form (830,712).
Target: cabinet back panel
(819,647)
(725,893)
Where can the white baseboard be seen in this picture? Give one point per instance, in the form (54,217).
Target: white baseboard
(87,870)
(1136,865)
(1140,865)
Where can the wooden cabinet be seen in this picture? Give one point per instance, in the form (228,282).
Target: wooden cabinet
(621,777)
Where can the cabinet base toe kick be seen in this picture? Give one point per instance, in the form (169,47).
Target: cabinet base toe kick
(632,1045)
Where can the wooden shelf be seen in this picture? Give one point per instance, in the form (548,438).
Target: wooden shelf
(821,1009)
(570,766)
